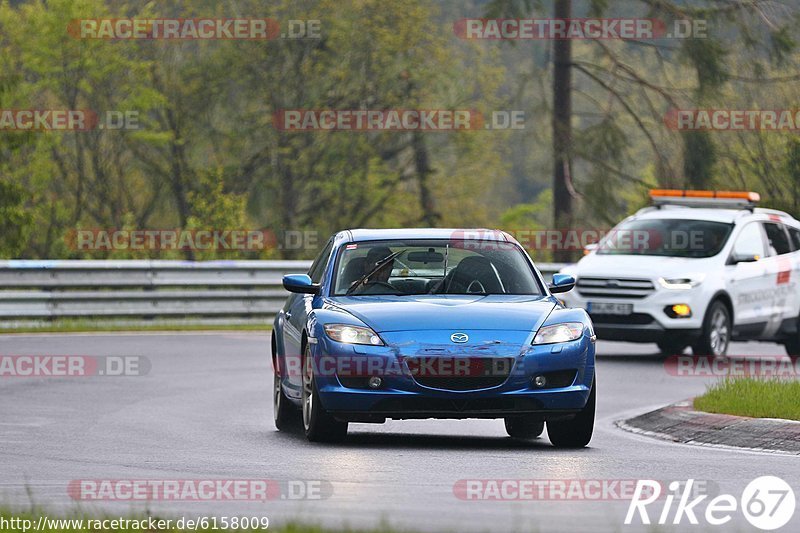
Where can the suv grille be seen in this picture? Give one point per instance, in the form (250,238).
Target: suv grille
(615,287)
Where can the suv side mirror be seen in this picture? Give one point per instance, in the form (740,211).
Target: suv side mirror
(300,283)
(561,283)
(742,258)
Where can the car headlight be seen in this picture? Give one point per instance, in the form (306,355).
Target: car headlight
(684,283)
(568,331)
(352,334)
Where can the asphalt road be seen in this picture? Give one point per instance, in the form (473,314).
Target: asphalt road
(203,411)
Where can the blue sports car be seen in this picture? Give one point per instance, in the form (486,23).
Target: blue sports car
(432,323)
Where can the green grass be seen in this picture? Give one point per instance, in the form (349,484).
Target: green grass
(82,326)
(752,397)
(6,525)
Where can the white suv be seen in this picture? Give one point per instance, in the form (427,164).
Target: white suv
(698,268)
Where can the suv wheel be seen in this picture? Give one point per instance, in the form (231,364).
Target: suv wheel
(716,334)
(792,344)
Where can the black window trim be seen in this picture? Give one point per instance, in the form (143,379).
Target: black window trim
(785,232)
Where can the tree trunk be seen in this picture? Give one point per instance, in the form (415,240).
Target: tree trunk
(430,215)
(562,129)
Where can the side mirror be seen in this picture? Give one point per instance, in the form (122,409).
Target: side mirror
(742,258)
(561,283)
(300,283)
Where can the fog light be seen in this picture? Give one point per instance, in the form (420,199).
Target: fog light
(680,311)
(375,382)
(540,381)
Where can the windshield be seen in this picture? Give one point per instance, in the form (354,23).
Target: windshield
(669,237)
(433,267)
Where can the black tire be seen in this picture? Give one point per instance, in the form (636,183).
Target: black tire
(670,346)
(792,344)
(577,432)
(524,427)
(318,424)
(717,328)
(285,413)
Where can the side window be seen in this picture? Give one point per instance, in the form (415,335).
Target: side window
(795,233)
(750,242)
(777,239)
(318,268)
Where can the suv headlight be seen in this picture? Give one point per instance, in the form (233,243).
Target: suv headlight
(352,334)
(568,331)
(683,283)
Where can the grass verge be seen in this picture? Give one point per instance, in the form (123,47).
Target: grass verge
(759,398)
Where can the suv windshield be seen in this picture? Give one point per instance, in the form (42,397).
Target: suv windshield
(433,267)
(670,237)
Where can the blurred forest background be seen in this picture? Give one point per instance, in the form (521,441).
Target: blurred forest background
(207,156)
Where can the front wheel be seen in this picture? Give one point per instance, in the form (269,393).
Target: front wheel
(577,432)
(318,424)
(523,427)
(716,334)
(792,344)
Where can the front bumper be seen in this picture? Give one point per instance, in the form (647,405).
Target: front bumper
(402,396)
(648,322)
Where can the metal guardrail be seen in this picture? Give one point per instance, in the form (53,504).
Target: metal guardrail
(46,290)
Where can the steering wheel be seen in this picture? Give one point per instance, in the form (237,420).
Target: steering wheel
(471,287)
(371,285)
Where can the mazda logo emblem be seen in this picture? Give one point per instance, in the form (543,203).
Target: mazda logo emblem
(459,337)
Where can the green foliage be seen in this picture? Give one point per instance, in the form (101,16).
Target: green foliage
(15,220)
(206,153)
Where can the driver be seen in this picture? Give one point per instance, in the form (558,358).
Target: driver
(378,282)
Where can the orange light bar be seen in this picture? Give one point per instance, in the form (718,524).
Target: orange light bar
(730,195)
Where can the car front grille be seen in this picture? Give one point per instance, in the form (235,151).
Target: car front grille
(614,287)
(464,374)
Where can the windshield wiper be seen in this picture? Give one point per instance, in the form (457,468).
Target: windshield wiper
(360,281)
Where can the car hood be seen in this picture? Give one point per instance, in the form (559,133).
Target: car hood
(448,312)
(636,266)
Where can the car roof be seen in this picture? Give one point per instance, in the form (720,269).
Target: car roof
(363,234)
(712,214)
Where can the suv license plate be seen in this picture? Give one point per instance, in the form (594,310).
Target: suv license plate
(609,308)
